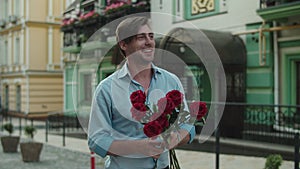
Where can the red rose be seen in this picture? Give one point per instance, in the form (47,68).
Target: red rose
(170,106)
(155,116)
(165,105)
(198,109)
(163,121)
(138,111)
(140,106)
(137,97)
(161,104)
(161,118)
(176,96)
(153,128)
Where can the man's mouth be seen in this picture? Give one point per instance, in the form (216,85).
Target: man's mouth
(147,50)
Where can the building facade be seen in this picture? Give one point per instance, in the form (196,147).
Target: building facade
(257,41)
(269,29)
(89,48)
(270,32)
(30,62)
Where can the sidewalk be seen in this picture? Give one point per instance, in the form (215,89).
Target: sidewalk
(76,155)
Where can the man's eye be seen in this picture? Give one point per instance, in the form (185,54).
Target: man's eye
(151,36)
(140,37)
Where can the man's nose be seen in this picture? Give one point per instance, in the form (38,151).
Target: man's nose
(149,39)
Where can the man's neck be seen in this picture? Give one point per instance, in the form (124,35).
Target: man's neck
(141,74)
(140,71)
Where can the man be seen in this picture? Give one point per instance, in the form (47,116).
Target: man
(112,130)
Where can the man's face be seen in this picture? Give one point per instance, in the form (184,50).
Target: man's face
(141,48)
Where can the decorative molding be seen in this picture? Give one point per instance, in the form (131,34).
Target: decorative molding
(50,47)
(280,11)
(2,23)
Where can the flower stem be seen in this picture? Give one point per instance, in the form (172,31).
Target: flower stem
(174,164)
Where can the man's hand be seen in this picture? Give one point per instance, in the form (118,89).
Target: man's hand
(153,148)
(178,138)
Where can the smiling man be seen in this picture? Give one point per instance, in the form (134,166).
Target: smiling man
(112,130)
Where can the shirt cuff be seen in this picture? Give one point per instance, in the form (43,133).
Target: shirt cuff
(100,146)
(190,129)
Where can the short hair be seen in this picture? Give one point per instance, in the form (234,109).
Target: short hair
(129,27)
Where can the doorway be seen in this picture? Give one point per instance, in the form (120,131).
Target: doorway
(298,82)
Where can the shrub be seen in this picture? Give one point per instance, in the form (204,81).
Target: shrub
(30,131)
(9,128)
(273,161)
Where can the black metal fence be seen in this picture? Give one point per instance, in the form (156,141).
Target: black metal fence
(64,125)
(259,122)
(271,123)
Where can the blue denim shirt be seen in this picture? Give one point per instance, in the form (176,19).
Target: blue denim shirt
(110,117)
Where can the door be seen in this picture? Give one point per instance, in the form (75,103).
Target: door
(298,83)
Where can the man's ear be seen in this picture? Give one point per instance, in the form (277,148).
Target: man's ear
(122,45)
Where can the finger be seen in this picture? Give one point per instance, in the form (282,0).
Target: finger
(156,156)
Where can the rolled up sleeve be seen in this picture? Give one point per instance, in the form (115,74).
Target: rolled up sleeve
(191,129)
(99,131)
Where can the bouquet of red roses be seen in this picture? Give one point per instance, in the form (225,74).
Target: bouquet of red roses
(166,116)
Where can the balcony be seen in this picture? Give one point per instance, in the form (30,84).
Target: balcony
(278,9)
(79,29)
(2,23)
(13,19)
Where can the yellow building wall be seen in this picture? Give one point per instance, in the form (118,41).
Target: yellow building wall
(38,48)
(38,10)
(56,45)
(46,93)
(58,9)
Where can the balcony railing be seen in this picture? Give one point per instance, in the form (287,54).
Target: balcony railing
(273,3)
(78,30)
(278,9)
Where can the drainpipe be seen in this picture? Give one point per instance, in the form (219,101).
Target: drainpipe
(50,65)
(276,68)
(276,78)
(262,45)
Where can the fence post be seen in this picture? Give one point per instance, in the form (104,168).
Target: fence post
(64,131)
(297,151)
(47,123)
(217,134)
(93,160)
(20,126)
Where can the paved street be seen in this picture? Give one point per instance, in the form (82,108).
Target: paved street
(51,158)
(75,155)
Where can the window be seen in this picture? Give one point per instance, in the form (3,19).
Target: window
(17,8)
(18,98)
(87,89)
(1,51)
(6,97)
(5,53)
(17,51)
(177,10)
(202,8)
(69,2)
(5,10)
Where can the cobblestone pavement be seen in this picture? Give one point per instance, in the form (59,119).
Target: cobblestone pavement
(51,158)
(75,155)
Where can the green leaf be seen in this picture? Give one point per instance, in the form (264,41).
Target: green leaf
(9,128)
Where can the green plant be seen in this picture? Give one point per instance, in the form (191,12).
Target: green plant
(9,128)
(30,131)
(273,161)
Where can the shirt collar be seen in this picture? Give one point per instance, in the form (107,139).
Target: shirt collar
(124,71)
